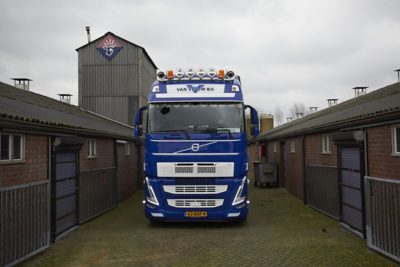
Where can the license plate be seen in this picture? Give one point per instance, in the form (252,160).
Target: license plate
(196,214)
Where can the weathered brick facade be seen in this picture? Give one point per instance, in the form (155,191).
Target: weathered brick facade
(127,171)
(32,169)
(381,163)
(104,155)
(294,167)
(314,155)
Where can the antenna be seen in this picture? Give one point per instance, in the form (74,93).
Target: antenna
(398,75)
(88,33)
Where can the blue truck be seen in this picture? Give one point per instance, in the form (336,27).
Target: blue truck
(196,158)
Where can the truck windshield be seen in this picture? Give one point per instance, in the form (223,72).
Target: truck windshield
(196,118)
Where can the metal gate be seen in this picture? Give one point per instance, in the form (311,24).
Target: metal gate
(65,215)
(351,188)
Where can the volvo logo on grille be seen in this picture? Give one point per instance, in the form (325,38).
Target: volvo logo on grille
(195,147)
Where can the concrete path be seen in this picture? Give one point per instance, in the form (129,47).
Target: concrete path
(280,231)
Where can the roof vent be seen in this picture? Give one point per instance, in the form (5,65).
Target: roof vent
(289,119)
(88,34)
(360,90)
(22,83)
(332,102)
(398,75)
(299,114)
(65,98)
(313,109)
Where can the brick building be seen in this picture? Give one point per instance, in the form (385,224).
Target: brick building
(59,167)
(345,161)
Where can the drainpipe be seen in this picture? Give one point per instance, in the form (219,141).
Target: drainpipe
(304,171)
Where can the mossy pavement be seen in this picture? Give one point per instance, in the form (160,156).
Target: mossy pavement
(280,231)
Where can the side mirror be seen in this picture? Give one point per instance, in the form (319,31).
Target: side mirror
(255,130)
(139,122)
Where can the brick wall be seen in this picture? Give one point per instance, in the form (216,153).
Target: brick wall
(127,171)
(314,157)
(33,169)
(104,157)
(381,162)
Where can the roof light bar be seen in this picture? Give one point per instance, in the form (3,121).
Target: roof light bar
(190,73)
(170,74)
(179,74)
(221,74)
(200,74)
(212,73)
(160,74)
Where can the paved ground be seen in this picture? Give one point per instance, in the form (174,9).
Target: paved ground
(280,231)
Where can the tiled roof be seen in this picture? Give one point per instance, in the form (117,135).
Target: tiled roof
(375,104)
(25,107)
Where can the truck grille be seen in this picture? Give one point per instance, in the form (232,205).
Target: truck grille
(183,169)
(193,169)
(205,169)
(195,203)
(195,189)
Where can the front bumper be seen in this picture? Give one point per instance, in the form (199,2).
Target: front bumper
(233,214)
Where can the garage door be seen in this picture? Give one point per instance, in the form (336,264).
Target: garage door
(64,193)
(351,188)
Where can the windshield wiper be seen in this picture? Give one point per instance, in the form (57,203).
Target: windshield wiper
(175,131)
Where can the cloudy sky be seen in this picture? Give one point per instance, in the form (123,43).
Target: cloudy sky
(285,51)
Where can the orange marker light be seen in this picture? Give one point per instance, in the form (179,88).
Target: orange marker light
(170,74)
(221,74)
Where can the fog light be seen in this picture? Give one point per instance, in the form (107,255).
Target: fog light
(180,73)
(201,73)
(190,73)
(230,74)
(161,74)
(233,214)
(212,73)
(157,214)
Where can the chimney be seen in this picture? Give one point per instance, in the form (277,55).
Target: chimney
(398,75)
(22,83)
(360,90)
(313,109)
(332,102)
(65,98)
(88,34)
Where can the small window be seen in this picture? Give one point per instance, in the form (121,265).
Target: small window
(92,151)
(275,149)
(11,147)
(127,149)
(396,140)
(326,144)
(292,146)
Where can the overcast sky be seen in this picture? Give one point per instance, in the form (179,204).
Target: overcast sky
(285,51)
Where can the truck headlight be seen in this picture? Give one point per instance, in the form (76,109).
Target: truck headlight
(152,198)
(238,197)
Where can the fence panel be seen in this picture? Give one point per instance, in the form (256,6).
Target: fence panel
(322,189)
(382,199)
(97,192)
(24,221)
